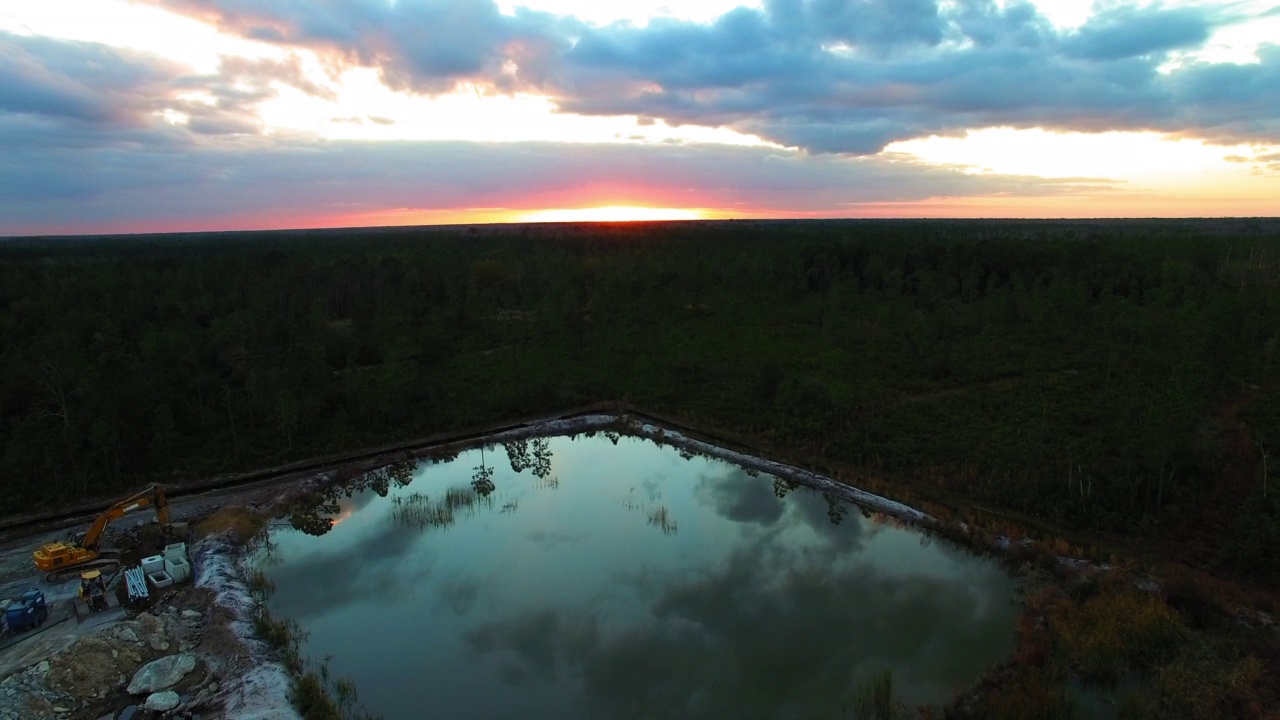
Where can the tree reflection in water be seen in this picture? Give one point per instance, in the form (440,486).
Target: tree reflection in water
(317,512)
(482,480)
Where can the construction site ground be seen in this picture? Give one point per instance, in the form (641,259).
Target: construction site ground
(78,663)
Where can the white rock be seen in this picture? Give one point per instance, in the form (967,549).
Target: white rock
(160,674)
(162,701)
(128,635)
(43,666)
(191,615)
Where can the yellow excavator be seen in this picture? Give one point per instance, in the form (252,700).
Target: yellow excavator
(65,560)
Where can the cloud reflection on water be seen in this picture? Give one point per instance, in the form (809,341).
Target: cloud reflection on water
(769,632)
(574,607)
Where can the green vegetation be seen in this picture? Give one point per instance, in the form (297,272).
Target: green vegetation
(1114,385)
(1116,377)
(1143,653)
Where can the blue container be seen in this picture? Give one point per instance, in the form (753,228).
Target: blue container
(27,612)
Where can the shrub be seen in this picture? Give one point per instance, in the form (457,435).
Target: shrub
(1031,692)
(1212,679)
(1115,631)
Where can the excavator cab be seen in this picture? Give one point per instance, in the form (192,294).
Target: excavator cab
(55,555)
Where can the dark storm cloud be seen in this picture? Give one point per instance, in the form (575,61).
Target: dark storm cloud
(839,76)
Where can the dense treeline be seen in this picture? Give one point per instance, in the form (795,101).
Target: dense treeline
(1107,376)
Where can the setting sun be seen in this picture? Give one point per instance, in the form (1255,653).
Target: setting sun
(612,213)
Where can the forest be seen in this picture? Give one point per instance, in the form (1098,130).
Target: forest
(1112,379)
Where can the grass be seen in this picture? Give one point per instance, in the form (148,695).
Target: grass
(260,586)
(1177,652)
(1027,692)
(660,517)
(1211,678)
(313,692)
(1115,631)
(419,511)
(873,699)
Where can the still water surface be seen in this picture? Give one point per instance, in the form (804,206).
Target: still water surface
(629,581)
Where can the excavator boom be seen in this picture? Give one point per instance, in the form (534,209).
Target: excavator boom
(57,555)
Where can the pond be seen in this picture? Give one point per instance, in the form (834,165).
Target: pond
(616,577)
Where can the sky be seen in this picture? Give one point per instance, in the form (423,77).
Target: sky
(180,115)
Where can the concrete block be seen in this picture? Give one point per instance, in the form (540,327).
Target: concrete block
(160,579)
(175,550)
(152,564)
(178,568)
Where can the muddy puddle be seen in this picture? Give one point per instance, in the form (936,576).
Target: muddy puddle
(609,576)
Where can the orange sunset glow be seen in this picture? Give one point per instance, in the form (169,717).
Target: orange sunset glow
(158,115)
(612,213)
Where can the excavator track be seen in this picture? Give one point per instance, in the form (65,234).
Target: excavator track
(105,564)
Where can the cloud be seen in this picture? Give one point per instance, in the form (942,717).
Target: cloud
(1126,31)
(764,615)
(422,45)
(766,633)
(736,496)
(370,566)
(826,76)
(81,121)
(552,540)
(172,179)
(104,89)
(79,80)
